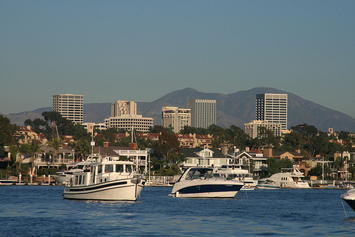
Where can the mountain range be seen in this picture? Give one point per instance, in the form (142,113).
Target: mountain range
(232,109)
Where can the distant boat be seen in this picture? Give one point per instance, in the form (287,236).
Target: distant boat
(198,182)
(6,182)
(63,177)
(107,179)
(349,198)
(267,184)
(289,178)
(237,173)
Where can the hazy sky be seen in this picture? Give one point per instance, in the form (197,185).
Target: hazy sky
(141,50)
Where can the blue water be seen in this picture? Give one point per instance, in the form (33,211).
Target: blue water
(41,211)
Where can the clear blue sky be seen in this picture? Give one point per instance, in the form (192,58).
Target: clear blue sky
(141,50)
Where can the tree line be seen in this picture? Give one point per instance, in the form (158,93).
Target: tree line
(166,153)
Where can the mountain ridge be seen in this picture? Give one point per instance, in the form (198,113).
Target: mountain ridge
(232,109)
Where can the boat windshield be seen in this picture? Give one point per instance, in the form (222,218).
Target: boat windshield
(199,173)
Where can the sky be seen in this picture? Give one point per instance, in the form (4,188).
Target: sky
(142,50)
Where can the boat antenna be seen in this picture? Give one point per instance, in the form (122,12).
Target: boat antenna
(92,144)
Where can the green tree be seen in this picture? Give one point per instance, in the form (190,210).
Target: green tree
(7,132)
(275,165)
(166,148)
(82,148)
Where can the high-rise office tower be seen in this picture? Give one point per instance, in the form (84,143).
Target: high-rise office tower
(70,106)
(123,107)
(272,107)
(176,118)
(203,113)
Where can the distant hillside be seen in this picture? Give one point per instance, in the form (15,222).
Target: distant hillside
(232,109)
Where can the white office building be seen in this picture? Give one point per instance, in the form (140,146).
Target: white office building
(70,106)
(127,122)
(272,107)
(91,127)
(124,116)
(253,128)
(176,118)
(123,107)
(203,113)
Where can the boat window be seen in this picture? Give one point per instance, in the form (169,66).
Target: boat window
(202,173)
(128,168)
(80,167)
(119,168)
(99,170)
(108,168)
(216,175)
(189,174)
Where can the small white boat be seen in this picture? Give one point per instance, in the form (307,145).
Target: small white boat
(108,179)
(349,198)
(197,182)
(237,173)
(289,178)
(267,184)
(6,182)
(63,177)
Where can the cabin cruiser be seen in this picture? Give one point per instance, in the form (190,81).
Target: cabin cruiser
(199,182)
(289,178)
(237,173)
(107,179)
(349,198)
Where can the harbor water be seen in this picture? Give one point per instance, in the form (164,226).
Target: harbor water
(42,211)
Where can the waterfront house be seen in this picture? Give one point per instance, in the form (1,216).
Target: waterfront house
(204,157)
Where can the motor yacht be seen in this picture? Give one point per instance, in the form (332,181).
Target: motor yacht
(107,179)
(349,198)
(237,173)
(199,182)
(289,178)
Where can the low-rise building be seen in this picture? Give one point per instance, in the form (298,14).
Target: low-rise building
(195,140)
(204,157)
(91,127)
(176,118)
(129,122)
(254,128)
(26,135)
(254,161)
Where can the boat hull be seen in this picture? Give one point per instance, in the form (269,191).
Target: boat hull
(120,190)
(351,203)
(349,198)
(265,186)
(7,182)
(209,191)
(62,179)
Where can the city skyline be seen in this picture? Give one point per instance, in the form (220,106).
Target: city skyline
(140,50)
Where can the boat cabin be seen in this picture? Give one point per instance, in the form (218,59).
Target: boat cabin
(103,172)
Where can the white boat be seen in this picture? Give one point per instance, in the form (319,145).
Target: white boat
(198,182)
(267,184)
(6,182)
(107,179)
(349,198)
(289,178)
(237,173)
(63,177)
